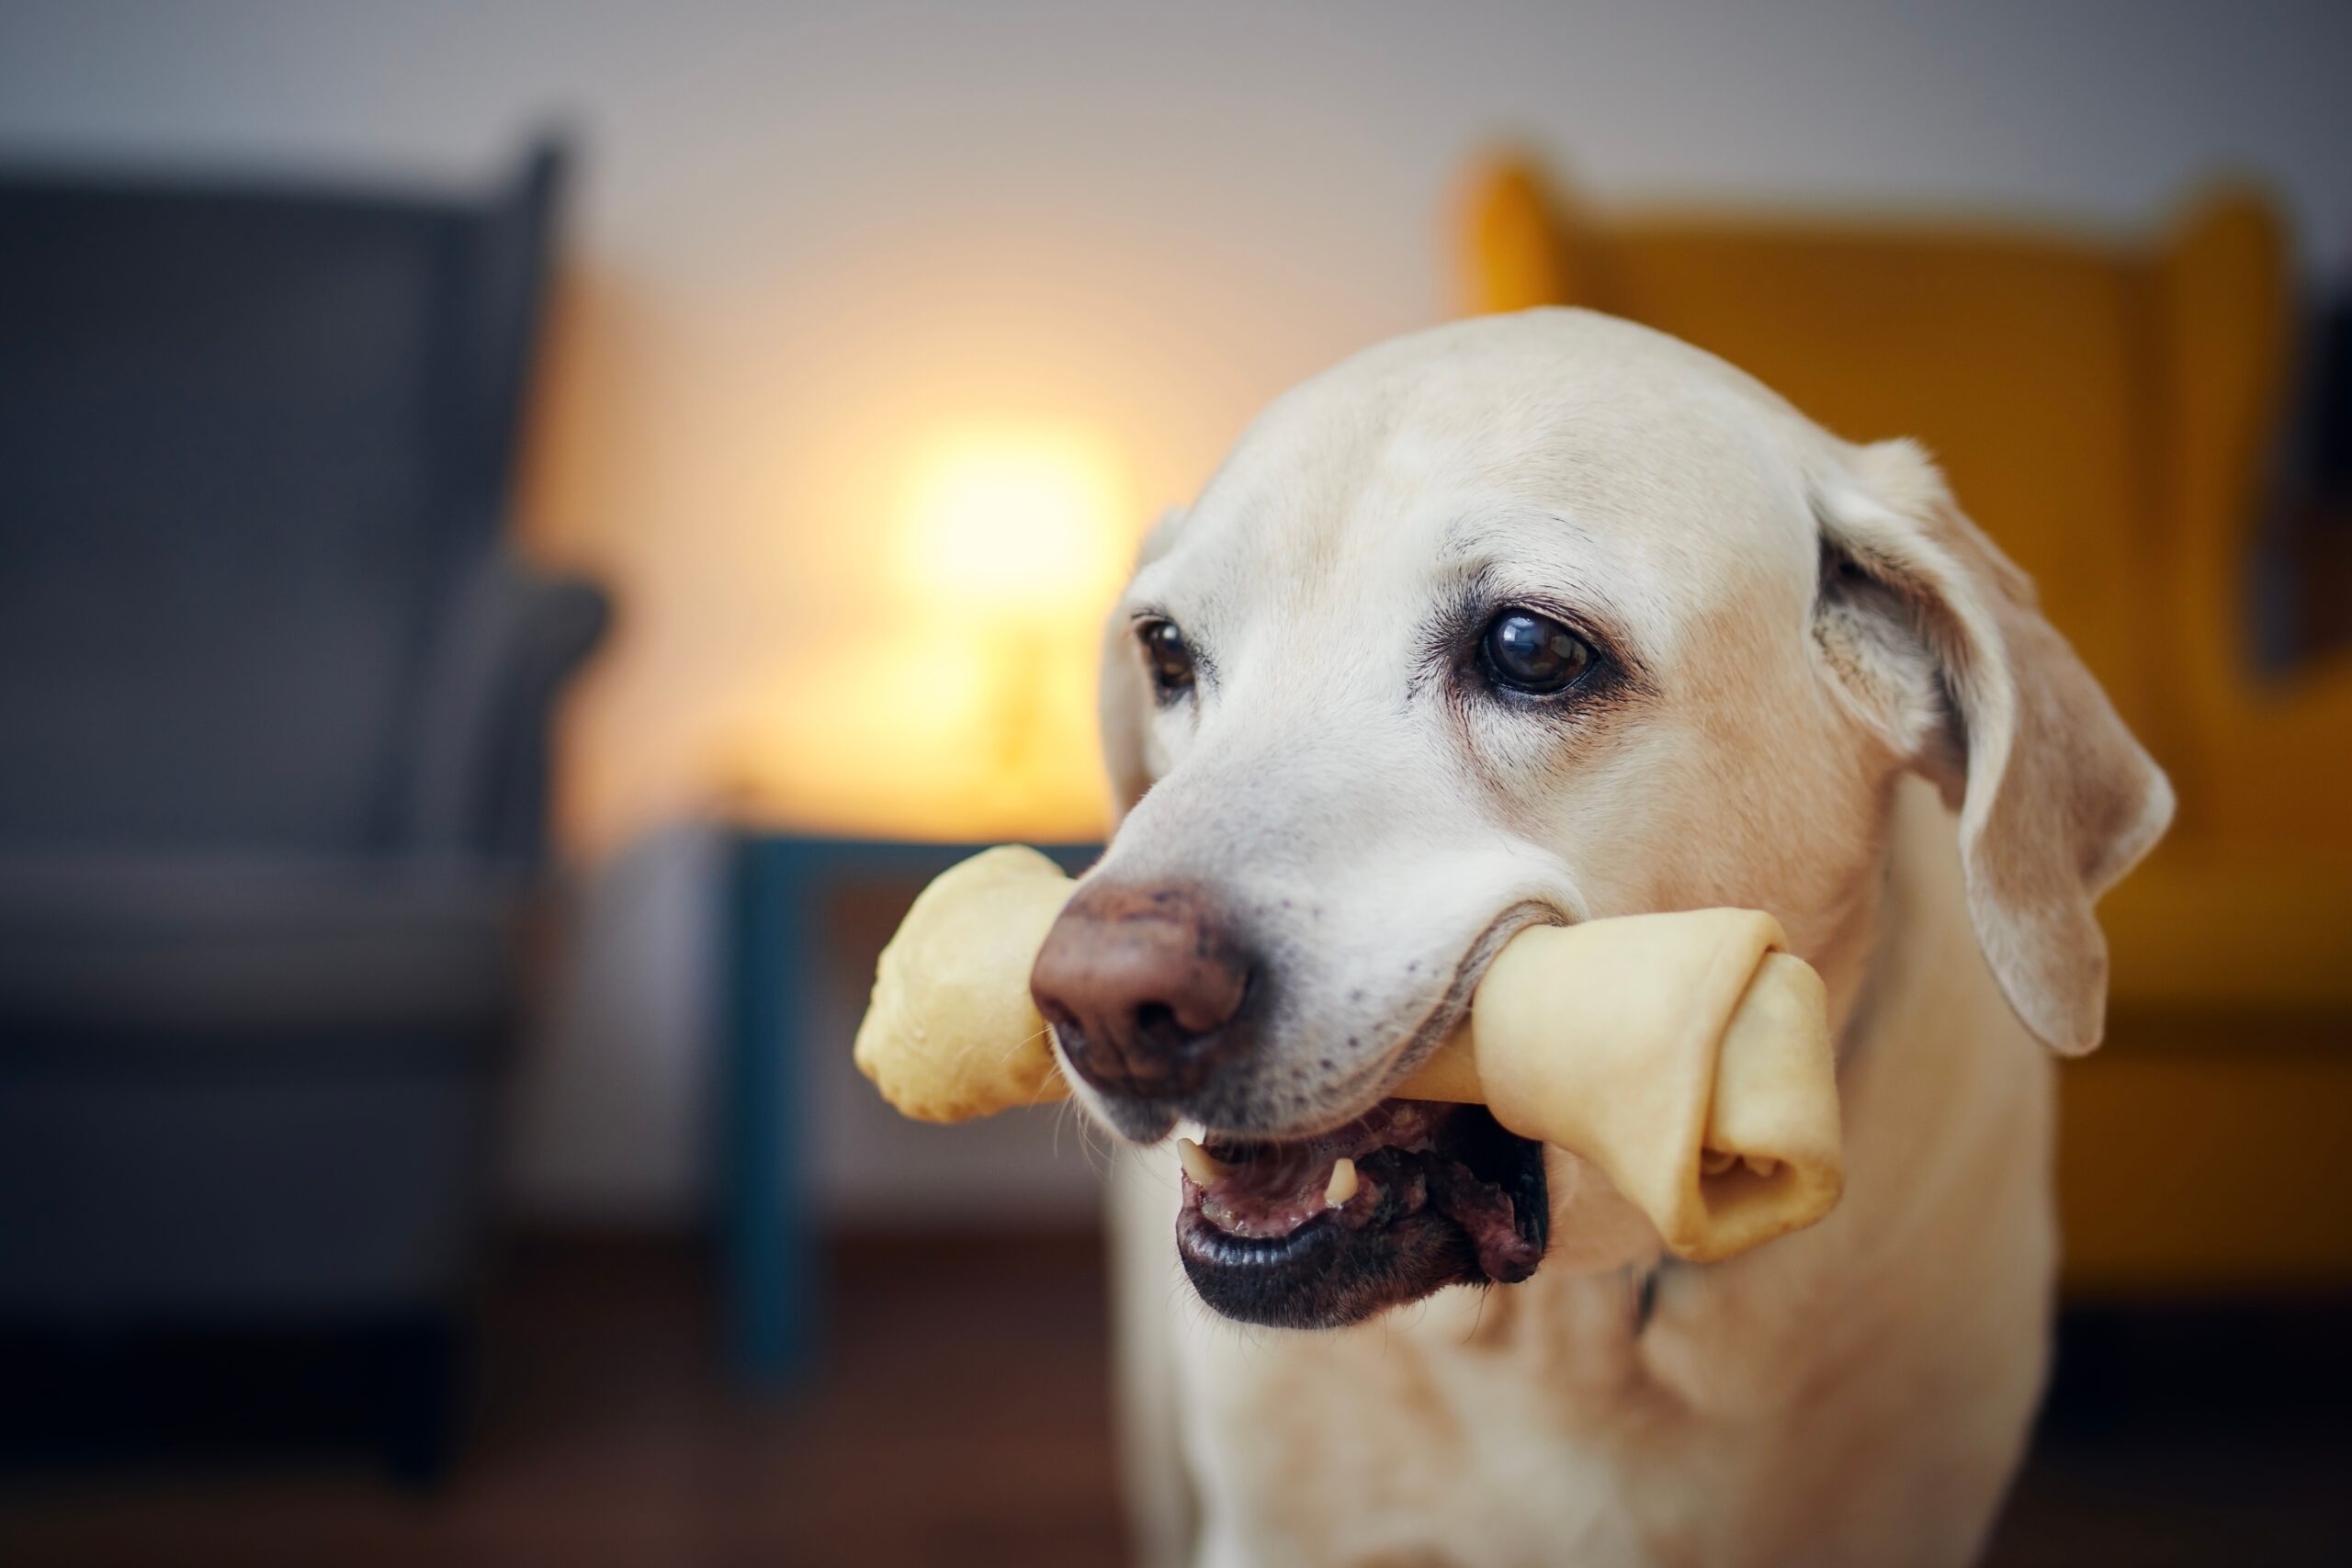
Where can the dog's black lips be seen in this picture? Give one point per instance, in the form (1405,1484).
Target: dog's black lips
(1397,1246)
(1445,1197)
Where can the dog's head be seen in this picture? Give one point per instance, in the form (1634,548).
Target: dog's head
(1532,618)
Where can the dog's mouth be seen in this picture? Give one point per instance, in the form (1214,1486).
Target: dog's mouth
(1323,1231)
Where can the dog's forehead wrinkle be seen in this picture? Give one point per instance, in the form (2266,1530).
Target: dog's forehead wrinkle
(1478,531)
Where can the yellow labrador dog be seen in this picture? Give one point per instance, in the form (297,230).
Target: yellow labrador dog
(1539,618)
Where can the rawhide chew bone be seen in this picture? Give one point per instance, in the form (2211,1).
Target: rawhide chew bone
(1685,1054)
(951,1031)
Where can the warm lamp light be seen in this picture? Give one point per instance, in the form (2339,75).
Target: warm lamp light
(1017,524)
(1016,536)
(963,706)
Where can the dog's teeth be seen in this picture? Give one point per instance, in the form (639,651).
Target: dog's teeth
(1715,1162)
(1202,1166)
(1342,1185)
(1762,1164)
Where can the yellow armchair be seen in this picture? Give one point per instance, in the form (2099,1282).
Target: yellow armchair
(2107,407)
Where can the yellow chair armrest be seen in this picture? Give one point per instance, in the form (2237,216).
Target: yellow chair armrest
(2279,765)
(2231,928)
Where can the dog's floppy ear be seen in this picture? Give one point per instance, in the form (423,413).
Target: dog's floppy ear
(1123,702)
(1934,633)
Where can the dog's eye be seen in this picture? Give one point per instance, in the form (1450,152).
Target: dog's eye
(1164,650)
(1534,653)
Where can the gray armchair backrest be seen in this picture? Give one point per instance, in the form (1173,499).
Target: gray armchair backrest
(255,444)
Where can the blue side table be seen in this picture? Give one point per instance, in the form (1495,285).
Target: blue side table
(777,887)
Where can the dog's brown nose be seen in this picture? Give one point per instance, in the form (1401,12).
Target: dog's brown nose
(1142,985)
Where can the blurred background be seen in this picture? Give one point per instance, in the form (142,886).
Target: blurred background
(527,530)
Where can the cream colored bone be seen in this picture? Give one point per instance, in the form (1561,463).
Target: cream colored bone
(1685,1054)
(951,1031)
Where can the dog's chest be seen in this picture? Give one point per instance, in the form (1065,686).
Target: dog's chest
(1468,1430)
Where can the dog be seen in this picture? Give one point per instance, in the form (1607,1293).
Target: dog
(1546,617)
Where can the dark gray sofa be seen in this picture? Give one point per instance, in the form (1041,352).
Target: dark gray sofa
(274,707)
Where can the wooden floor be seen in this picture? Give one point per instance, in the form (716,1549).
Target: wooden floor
(605,1435)
(962,1419)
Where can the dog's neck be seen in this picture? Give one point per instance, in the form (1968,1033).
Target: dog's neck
(1933,1067)
(1916,979)
(1901,903)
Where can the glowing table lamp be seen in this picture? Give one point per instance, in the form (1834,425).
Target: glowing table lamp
(1014,539)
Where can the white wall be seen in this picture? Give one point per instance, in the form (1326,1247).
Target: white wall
(798,218)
